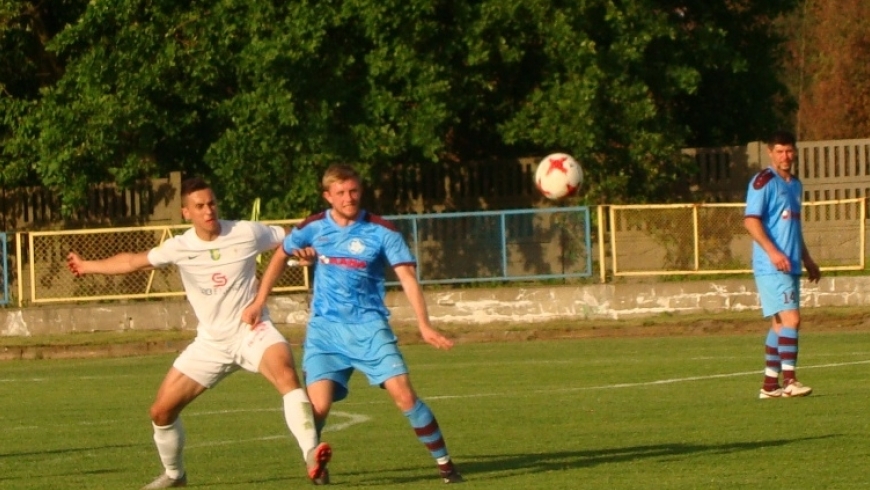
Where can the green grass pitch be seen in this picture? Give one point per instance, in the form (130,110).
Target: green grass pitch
(615,413)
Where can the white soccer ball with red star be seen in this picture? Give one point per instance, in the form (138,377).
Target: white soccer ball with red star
(558,176)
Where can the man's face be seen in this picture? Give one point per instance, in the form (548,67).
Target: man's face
(344,197)
(782,157)
(200,208)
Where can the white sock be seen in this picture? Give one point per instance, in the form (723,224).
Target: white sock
(300,419)
(170,443)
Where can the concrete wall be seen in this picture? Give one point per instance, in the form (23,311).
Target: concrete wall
(467,306)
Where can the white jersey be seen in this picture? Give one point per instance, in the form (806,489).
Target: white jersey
(220,276)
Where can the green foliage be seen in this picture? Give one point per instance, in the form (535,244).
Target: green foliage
(261,96)
(827,66)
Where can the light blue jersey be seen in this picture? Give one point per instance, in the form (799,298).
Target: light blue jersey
(777,204)
(348,329)
(351,261)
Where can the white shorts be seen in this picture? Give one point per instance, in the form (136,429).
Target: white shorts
(208,361)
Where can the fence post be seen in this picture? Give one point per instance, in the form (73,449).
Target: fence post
(602,243)
(756,157)
(175,204)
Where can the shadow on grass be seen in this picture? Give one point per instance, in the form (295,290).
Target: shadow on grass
(488,467)
(499,466)
(43,474)
(70,450)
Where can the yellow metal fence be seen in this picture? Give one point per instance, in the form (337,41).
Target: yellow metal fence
(647,240)
(631,240)
(42,271)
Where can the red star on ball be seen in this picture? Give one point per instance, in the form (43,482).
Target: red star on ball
(557,164)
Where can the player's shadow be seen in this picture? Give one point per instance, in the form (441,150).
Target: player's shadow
(46,474)
(69,450)
(488,467)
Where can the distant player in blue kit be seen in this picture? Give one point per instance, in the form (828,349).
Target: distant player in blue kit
(348,328)
(773,219)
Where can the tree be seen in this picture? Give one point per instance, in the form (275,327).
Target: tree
(624,85)
(27,67)
(260,96)
(830,46)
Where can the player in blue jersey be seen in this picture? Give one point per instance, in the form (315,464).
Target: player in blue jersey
(348,328)
(773,219)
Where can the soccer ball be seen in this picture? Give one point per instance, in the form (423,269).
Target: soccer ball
(558,175)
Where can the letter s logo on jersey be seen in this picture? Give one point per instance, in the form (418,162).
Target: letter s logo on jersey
(219,280)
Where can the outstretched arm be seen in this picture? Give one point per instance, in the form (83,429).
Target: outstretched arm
(408,278)
(122,263)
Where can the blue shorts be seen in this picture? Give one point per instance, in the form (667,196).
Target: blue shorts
(334,350)
(778,292)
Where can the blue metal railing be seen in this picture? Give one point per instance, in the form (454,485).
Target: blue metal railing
(510,245)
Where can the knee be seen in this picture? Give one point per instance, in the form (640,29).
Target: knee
(319,412)
(406,401)
(161,416)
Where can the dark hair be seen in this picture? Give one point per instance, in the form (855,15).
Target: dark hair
(781,137)
(191,185)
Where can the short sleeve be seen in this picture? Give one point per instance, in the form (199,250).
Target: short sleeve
(166,253)
(298,238)
(396,250)
(755,201)
(267,237)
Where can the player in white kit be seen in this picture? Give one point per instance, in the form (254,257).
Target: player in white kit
(217,262)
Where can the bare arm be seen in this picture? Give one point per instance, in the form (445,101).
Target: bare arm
(408,278)
(812,268)
(122,263)
(756,231)
(252,313)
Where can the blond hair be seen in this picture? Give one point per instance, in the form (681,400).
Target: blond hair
(339,172)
